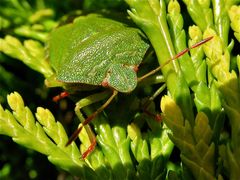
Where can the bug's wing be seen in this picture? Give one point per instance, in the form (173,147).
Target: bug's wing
(68,38)
(59,42)
(88,60)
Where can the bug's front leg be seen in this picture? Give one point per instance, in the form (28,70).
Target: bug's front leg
(83,103)
(88,101)
(84,122)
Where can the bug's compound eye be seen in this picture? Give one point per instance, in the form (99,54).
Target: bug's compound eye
(135,68)
(105,83)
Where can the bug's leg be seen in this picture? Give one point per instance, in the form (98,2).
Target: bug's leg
(79,105)
(60,96)
(85,102)
(151,80)
(148,81)
(88,101)
(157,117)
(154,79)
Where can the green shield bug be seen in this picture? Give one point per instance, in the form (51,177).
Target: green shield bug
(94,51)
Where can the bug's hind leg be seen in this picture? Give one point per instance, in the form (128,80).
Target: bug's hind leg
(79,105)
(157,116)
(154,79)
(83,103)
(146,105)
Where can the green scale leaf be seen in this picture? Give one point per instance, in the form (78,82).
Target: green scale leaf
(93,49)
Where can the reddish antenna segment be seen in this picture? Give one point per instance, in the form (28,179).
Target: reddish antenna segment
(175,58)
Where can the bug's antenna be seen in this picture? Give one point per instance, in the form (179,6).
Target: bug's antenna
(90,118)
(175,58)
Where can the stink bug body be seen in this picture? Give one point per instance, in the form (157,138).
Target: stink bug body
(94,51)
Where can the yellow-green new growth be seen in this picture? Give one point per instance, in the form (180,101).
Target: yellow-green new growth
(234,15)
(197,148)
(227,81)
(31,53)
(22,127)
